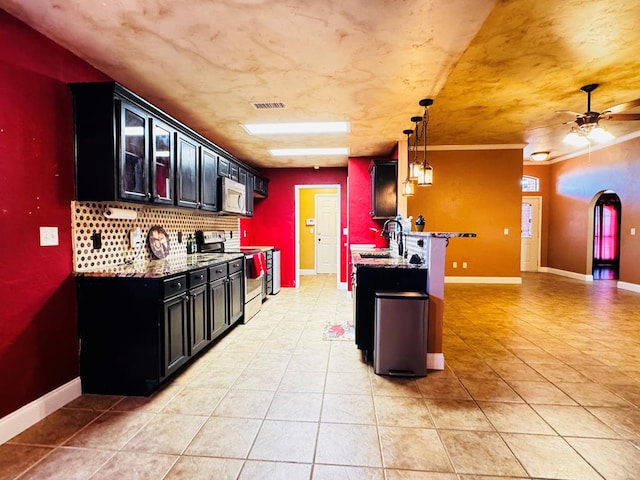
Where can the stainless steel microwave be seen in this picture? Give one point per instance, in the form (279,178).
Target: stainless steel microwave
(233,197)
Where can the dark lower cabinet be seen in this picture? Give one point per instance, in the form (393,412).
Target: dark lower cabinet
(236,291)
(198,310)
(136,332)
(218,299)
(175,338)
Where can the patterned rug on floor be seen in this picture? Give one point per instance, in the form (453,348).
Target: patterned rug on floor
(339,330)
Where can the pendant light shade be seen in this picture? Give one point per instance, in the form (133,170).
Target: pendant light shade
(426,177)
(408,187)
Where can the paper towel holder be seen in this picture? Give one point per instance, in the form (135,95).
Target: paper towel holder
(120,213)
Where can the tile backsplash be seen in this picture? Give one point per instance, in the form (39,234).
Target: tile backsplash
(88,217)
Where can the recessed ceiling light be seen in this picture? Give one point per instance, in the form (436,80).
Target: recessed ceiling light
(296,128)
(291,152)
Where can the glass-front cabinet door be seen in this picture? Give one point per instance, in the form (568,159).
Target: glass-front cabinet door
(162,163)
(134,166)
(188,172)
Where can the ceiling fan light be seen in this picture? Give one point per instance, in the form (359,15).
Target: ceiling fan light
(539,156)
(600,135)
(574,139)
(425,178)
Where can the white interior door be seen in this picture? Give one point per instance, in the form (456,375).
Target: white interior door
(326,233)
(530,232)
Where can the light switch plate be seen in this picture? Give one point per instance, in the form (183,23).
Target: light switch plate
(633,231)
(49,236)
(506,231)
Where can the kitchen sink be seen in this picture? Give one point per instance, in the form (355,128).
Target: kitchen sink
(375,255)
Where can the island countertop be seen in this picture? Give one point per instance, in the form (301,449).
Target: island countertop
(362,258)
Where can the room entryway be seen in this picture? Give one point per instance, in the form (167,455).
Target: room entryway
(530,234)
(326,233)
(317,230)
(606,237)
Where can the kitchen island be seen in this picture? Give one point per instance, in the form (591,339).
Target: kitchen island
(384,269)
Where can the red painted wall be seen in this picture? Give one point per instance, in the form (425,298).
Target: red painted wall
(273,222)
(38,326)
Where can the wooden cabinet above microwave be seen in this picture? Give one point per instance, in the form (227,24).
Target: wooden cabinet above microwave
(129,150)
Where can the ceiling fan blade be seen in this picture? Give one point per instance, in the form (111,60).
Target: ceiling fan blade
(621,117)
(570,112)
(623,106)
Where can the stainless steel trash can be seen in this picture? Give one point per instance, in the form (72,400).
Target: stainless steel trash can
(401,323)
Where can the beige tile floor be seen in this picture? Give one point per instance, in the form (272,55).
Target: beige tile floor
(542,381)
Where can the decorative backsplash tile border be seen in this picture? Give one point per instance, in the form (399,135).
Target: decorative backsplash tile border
(88,218)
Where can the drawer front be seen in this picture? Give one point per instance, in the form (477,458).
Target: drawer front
(235,265)
(217,272)
(197,277)
(174,285)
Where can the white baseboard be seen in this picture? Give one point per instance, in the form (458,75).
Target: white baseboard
(435,361)
(507,280)
(307,271)
(342,285)
(566,273)
(633,287)
(18,421)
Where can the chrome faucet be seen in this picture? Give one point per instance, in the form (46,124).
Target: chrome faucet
(385,233)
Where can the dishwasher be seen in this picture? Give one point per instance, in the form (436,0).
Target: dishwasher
(276,271)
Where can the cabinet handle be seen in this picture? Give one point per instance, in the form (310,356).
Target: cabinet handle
(201,277)
(178,285)
(148,194)
(218,271)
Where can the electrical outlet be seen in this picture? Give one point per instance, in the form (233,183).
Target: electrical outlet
(135,238)
(464,264)
(49,236)
(96,238)
(506,231)
(455,264)
(633,231)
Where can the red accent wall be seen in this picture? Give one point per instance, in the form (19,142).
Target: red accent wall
(273,222)
(38,326)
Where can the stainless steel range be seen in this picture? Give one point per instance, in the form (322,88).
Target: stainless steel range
(214,242)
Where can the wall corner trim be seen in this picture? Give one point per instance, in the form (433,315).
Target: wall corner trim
(633,287)
(492,280)
(564,273)
(18,421)
(435,361)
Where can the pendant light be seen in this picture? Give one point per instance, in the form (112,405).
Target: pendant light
(408,187)
(415,166)
(425,177)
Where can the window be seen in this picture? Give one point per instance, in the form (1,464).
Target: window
(530,184)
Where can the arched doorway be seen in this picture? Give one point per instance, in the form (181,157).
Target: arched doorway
(606,237)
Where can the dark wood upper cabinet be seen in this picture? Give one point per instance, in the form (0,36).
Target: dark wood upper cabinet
(384,189)
(187,172)
(126,149)
(162,163)
(208,180)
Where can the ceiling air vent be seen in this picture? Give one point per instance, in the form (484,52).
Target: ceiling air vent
(268,105)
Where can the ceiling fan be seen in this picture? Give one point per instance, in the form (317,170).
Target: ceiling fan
(586,126)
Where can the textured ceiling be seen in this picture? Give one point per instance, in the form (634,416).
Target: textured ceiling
(497,69)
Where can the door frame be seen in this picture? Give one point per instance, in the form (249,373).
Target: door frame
(537,198)
(297,227)
(315,249)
